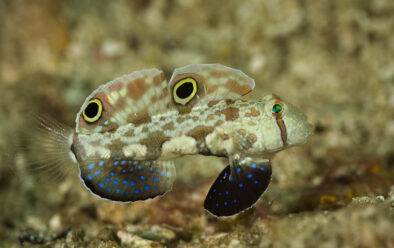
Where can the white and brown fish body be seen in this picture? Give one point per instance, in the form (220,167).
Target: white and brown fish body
(129,130)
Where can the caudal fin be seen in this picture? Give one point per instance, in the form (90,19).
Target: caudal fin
(49,147)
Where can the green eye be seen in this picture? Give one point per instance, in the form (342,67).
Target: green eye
(277,108)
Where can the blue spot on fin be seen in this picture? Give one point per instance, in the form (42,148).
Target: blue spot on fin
(124,182)
(243,191)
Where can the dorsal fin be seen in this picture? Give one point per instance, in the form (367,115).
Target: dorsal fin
(131,98)
(214,82)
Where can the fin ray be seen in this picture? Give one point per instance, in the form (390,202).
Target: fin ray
(48,147)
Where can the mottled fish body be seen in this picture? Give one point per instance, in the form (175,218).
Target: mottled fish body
(129,130)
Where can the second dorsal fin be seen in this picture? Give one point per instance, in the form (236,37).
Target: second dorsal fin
(212,82)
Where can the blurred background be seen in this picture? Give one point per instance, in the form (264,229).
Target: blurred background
(333,59)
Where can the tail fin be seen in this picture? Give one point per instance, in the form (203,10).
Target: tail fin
(49,147)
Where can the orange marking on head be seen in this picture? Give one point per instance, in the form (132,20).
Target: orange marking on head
(251,123)
(255,112)
(247,114)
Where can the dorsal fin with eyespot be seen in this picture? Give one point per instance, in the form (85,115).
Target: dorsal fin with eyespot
(214,82)
(131,98)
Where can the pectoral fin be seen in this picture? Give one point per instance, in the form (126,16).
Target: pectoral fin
(238,188)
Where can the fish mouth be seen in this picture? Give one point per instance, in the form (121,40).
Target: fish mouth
(304,131)
(301,134)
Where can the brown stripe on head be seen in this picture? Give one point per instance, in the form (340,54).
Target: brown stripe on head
(279,120)
(283,131)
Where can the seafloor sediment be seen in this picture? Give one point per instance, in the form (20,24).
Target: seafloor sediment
(332,59)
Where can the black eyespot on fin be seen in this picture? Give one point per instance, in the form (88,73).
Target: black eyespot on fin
(230,195)
(91,110)
(185,90)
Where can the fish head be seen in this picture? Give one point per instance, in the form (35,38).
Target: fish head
(284,124)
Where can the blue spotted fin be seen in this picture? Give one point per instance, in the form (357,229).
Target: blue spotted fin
(238,187)
(128,180)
